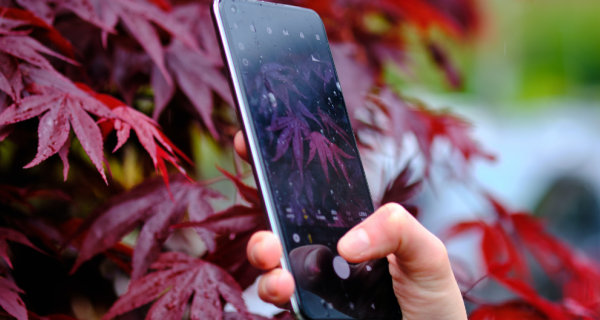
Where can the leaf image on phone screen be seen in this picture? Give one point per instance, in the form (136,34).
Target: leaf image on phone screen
(305,138)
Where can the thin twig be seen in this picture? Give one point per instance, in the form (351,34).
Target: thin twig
(474,285)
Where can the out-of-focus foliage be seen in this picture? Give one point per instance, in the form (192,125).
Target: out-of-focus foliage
(69,242)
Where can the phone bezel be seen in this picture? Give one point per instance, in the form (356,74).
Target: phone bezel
(252,144)
(245,119)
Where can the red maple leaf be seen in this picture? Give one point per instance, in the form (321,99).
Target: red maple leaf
(10,77)
(328,152)
(149,204)
(46,10)
(12,235)
(23,196)
(427,126)
(400,190)
(33,316)
(420,13)
(47,31)
(551,310)
(138,18)
(18,45)
(503,255)
(580,276)
(507,310)
(345,24)
(10,300)
(197,72)
(499,250)
(227,233)
(197,76)
(61,106)
(177,279)
(147,130)
(29,49)
(442,61)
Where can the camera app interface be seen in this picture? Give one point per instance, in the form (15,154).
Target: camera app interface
(309,154)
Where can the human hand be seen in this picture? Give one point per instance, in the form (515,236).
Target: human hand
(422,277)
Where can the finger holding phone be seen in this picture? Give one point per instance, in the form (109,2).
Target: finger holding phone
(339,258)
(424,284)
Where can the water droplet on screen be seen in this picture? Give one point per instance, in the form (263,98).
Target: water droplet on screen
(272,100)
(235,25)
(241,46)
(269,31)
(335,93)
(331,192)
(338,86)
(351,305)
(373,306)
(285,32)
(245,62)
(296,238)
(301,35)
(314,59)
(252,28)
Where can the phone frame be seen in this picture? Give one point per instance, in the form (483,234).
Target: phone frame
(252,144)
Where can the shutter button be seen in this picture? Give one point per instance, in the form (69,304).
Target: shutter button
(341,267)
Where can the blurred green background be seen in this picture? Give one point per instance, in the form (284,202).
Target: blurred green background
(525,50)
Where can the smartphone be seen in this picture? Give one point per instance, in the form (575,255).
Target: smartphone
(306,163)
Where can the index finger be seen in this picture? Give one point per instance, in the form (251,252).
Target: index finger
(239,145)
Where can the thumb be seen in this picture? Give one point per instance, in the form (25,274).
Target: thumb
(423,280)
(392,230)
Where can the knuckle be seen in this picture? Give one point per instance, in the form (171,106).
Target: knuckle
(393,219)
(439,254)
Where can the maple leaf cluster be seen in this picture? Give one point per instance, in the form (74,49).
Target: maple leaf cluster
(505,244)
(88,69)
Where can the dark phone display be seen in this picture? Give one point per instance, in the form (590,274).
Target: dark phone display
(309,154)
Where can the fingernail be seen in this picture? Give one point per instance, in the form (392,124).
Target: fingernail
(355,243)
(272,285)
(254,254)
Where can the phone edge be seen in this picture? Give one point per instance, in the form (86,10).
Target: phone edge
(252,146)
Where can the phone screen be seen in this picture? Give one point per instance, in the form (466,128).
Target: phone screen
(316,180)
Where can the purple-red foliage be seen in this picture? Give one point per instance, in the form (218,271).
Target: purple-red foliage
(504,246)
(72,63)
